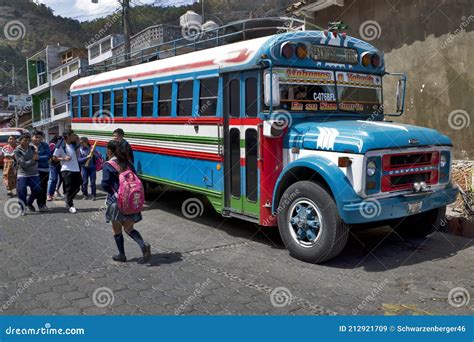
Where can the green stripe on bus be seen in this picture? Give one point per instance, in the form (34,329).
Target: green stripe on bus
(162,137)
(183,186)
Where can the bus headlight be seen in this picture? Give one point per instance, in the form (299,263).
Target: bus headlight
(443,160)
(371,168)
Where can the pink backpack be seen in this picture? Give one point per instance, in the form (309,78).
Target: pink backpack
(99,161)
(130,195)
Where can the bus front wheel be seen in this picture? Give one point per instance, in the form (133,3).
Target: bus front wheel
(309,223)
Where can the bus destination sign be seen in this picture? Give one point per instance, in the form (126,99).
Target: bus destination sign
(333,54)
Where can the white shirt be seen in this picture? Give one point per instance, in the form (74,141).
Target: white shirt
(71,165)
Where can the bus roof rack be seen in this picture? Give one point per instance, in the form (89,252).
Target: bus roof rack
(202,39)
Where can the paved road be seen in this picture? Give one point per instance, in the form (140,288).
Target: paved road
(58,263)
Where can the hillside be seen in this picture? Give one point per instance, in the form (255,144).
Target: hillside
(28,27)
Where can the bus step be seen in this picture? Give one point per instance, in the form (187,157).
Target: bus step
(228,212)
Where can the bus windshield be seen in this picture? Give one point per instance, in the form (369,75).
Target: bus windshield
(310,91)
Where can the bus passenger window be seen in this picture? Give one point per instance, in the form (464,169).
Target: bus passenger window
(234,98)
(208,96)
(164,104)
(106,103)
(251,97)
(185,98)
(147,101)
(95,104)
(118,103)
(132,96)
(85,106)
(75,107)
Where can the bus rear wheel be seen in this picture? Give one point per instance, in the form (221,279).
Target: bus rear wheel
(309,223)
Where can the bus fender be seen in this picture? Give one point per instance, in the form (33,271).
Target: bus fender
(331,174)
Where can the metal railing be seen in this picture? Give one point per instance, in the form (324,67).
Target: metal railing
(204,39)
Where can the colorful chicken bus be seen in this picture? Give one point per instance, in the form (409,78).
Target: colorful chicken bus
(286,130)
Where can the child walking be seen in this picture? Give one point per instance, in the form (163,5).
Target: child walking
(118,162)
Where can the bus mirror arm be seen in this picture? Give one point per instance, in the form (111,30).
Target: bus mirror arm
(401,92)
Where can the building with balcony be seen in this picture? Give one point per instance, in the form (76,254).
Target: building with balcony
(102,49)
(51,72)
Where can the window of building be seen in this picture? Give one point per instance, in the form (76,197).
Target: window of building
(251,97)
(208,96)
(165,98)
(94,51)
(132,99)
(105,46)
(85,106)
(118,103)
(185,98)
(147,101)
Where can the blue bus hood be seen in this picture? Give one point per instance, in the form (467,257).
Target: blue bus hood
(359,136)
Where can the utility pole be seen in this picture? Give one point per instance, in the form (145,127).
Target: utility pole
(126,26)
(126,29)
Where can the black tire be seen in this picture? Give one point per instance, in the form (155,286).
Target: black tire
(331,237)
(420,225)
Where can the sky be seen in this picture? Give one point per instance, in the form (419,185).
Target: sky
(83,10)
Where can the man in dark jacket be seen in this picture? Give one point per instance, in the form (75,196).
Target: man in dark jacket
(118,137)
(27,161)
(44,153)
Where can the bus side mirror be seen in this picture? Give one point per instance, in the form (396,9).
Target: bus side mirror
(400,91)
(271,89)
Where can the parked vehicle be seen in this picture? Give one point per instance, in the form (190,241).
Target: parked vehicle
(286,130)
(4,135)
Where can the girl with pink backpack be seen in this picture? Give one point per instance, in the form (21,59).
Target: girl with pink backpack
(125,199)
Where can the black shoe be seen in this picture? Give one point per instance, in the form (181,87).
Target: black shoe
(10,194)
(31,208)
(120,258)
(146,253)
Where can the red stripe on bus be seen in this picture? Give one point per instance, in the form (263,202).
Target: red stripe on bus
(183,120)
(245,121)
(171,152)
(242,56)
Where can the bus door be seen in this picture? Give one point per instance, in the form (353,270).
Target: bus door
(241,143)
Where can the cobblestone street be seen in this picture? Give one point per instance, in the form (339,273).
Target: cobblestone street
(58,263)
